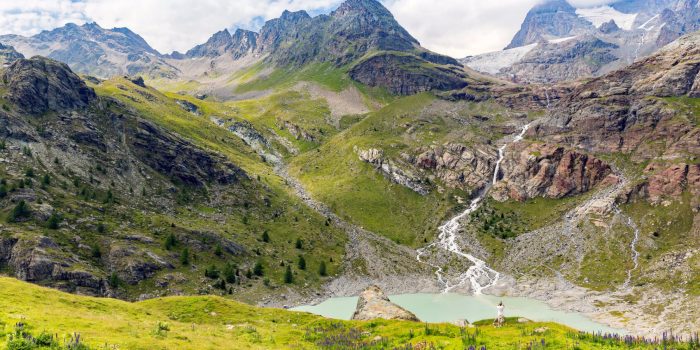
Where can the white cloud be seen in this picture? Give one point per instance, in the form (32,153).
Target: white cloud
(454,27)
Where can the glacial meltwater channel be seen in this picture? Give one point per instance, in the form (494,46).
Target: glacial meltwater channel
(438,308)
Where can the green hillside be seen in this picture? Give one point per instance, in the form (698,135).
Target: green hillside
(210,322)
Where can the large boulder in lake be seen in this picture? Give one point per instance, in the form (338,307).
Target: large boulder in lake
(374,304)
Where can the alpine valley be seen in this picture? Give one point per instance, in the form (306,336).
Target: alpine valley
(186,200)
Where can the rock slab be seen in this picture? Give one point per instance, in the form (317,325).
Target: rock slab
(374,304)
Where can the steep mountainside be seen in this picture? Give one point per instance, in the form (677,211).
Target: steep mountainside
(104,195)
(565,43)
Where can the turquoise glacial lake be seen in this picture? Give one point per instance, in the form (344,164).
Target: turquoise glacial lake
(438,308)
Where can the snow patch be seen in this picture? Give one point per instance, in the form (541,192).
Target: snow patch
(603,14)
(493,62)
(561,40)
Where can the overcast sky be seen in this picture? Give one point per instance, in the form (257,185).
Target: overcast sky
(453,27)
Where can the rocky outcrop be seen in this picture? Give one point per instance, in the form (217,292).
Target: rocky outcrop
(542,170)
(667,184)
(189,107)
(38,260)
(407,75)
(179,159)
(40,84)
(374,304)
(134,265)
(298,132)
(392,171)
(8,55)
(457,166)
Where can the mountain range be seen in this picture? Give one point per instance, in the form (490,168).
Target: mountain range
(323,155)
(559,42)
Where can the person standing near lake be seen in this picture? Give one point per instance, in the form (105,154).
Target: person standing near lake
(501,318)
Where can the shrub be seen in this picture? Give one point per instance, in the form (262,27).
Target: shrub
(170,242)
(185,257)
(211,272)
(3,191)
(53,222)
(288,276)
(218,251)
(299,244)
(322,269)
(258,269)
(46,180)
(96,251)
(29,172)
(101,228)
(266,237)
(229,273)
(20,211)
(114,280)
(302,263)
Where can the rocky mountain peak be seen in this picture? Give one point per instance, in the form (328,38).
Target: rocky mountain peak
(215,46)
(551,19)
(294,17)
(40,84)
(351,7)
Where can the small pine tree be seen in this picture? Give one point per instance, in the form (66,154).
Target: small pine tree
(29,172)
(170,242)
(288,276)
(258,269)
(229,273)
(218,251)
(249,274)
(101,228)
(185,257)
(3,145)
(96,251)
(322,269)
(114,280)
(3,191)
(266,237)
(212,272)
(46,180)
(302,263)
(53,222)
(20,211)
(299,244)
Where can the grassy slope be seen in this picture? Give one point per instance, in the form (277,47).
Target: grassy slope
(209,322)
(242,220)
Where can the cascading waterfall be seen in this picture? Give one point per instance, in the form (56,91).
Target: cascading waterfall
(635,253)
(479,275)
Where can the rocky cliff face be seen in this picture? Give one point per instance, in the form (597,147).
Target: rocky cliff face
(626,111)
(241,43)
(374,304)
(407,75)
(8,54)
(541,170)
(39,85)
